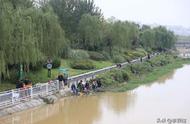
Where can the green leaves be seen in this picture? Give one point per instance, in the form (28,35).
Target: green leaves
(157,38)
(70,13)
(27,33)
(90,30)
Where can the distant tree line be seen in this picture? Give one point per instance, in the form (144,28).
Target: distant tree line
(33,30)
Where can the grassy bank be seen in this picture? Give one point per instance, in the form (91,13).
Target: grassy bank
(78,62)
(42,76)
(141,74)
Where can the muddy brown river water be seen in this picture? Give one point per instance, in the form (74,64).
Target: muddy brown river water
(166,101)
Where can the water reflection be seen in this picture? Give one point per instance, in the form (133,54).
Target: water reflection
(166,77)
(119,102)
(31,116)
(76,110)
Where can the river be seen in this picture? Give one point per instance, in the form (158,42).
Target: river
(162,102)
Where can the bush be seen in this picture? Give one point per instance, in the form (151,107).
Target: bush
(78,54)
(142,51)
(138,54)
(115,76)
(106,55)
(142,68)
(118,59)
(126,75)
(14,75)
(127,58)
(96,56)
(106,80)
(56,63)
(161,60)
(129,55)
(36,67)
(82,64)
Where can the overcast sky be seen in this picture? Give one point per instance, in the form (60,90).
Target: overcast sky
(164,12)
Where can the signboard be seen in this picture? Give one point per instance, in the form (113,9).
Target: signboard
(49,66)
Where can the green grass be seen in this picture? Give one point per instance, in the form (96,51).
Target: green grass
(42,75)
(150,77)
(157,72)
(6,86)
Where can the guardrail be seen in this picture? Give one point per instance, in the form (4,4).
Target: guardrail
(16,96)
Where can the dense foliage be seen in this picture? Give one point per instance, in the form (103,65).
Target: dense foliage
(135,71)
(32,31)
(82,64)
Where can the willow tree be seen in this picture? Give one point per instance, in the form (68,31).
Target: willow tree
(5,34)
(27,34)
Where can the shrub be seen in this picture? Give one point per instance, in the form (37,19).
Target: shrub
(138,54)
(134,54)
(118,59)
(106,55)
(127,58)
(115,76)
(56,63)
(14,75)
(36,67)
(96,56)
(142,51)
(78,54)
(106,80)
(142,68)
(161,60)
(82,64)
(126,75)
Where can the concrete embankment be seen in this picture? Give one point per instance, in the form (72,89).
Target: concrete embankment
(50,99)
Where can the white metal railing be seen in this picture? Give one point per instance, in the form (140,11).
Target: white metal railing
(16,96)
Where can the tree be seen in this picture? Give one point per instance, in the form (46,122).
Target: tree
(164,39)
(120,35)
(27,34)
(70,13)
(90,32)
(147,38)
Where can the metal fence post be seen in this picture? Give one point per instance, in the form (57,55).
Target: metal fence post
(93,76)
(31,92)
(12,98)
(47,89)
(58,88)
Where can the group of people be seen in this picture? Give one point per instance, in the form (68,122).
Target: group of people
(81,87)
(24,84)
(24,87)
(86,87)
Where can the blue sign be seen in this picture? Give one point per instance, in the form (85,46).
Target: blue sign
(49,66)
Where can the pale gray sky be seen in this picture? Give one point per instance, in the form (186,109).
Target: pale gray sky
(164,12)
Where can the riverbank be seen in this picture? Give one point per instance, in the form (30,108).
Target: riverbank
(83,62)
(117,80)
(136,75)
